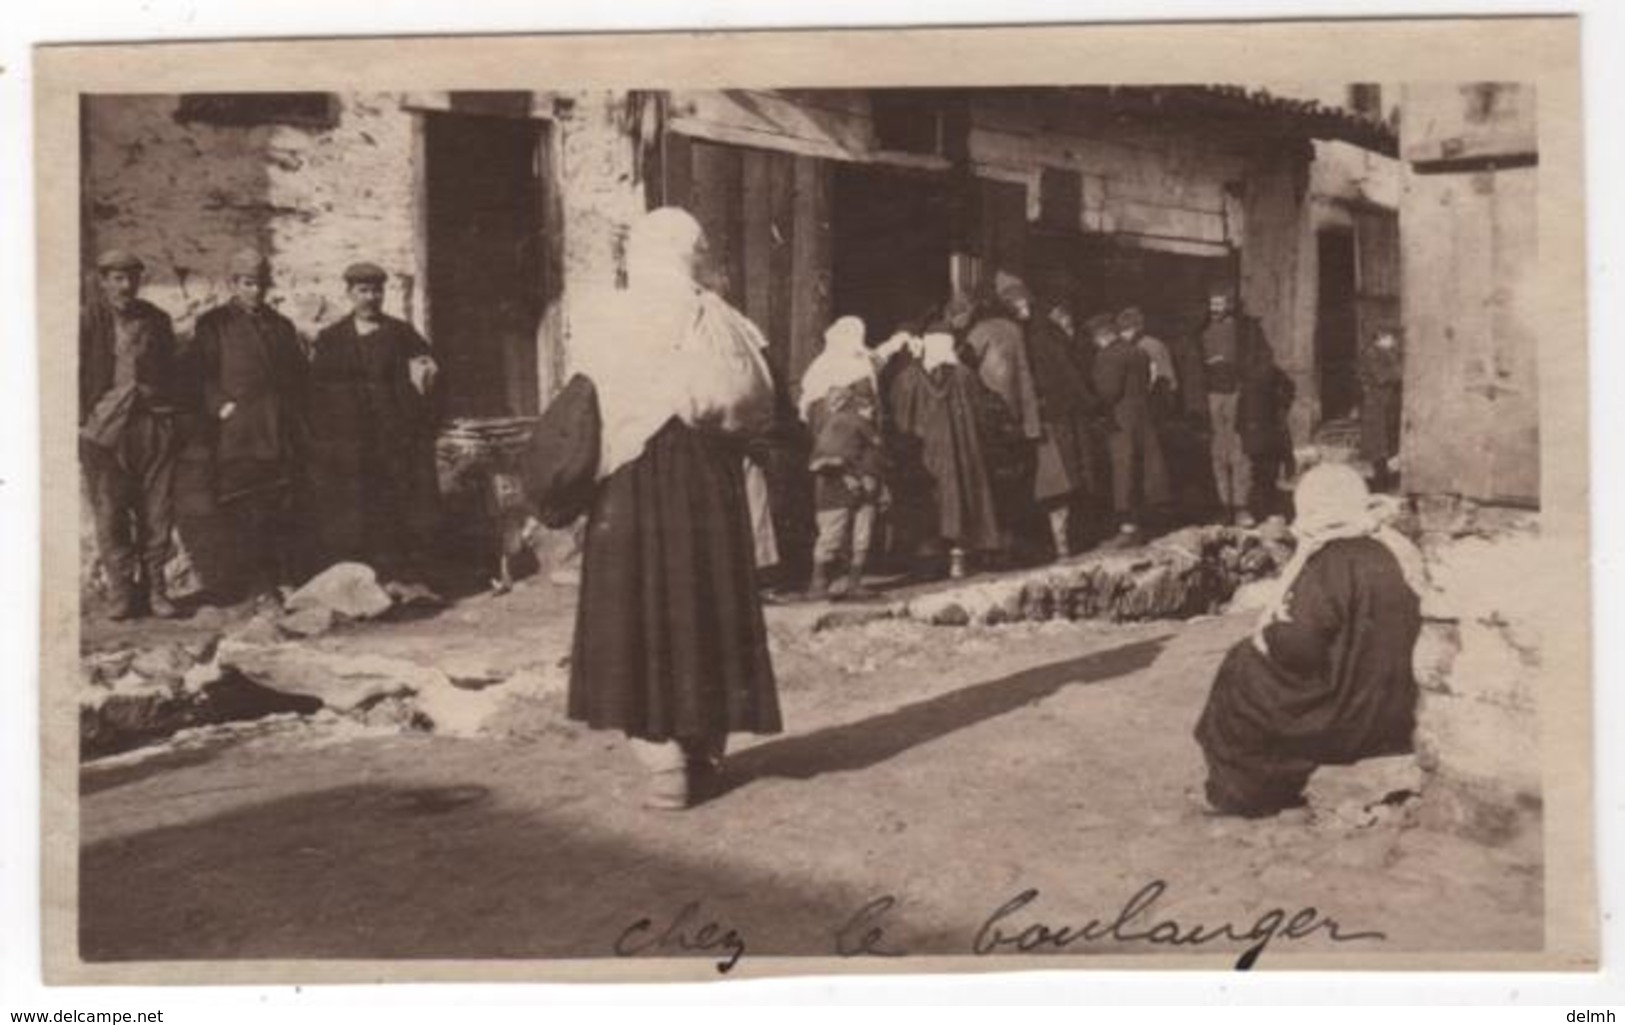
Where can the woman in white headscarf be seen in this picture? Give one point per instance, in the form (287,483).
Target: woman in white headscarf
(1326,678)
(670,646)
(840,402)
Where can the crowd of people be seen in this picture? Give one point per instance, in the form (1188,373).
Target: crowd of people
(1003,430)
(998,424)
(318,454)
(648,445)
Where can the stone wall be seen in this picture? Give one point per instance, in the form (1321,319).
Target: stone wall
(1478,728)
(185,195)
(599,196)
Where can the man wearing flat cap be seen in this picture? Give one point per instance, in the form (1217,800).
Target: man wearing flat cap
(373,482)
(998,344)
(127,433)
(253,391)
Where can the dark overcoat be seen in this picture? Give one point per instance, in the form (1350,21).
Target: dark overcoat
(253,358)
(372,437)
(1122,378)
(1069,461)
(1257,402)
(153,345)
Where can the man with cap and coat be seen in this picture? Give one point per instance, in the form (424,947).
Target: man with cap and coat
(1070,461)
(372,468)
(127,433)
(998,345)
(254,371)
(1230,389)
(1122,380)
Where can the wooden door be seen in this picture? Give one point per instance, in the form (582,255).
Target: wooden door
(766,217)
(487,259)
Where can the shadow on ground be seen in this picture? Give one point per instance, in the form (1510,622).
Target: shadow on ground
(860,745)
(422,872)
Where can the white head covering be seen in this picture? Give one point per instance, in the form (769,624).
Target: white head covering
(664,347)
(844,361)
(1333,503)
(938,350)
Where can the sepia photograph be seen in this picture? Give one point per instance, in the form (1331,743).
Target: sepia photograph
(738,523)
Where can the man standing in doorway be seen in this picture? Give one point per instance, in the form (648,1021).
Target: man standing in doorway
(1228,376)
(127,433)
(253,390)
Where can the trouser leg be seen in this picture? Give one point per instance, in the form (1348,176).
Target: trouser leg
(248,523)
(1060,523)
(1122,456)
(153,464)
(264,532)
(863,529)
(109,488)
(1229,469)
(834,529)
(1263,473)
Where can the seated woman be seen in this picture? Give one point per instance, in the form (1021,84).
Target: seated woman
(1326,679)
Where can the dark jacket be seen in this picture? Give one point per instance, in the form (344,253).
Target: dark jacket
(845,438)
(372,435)
(1067,460)
(253,359)
(1122,379)
(1381,399)
(1257,412)
(154,350)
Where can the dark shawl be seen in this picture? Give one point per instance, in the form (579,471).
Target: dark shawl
(939,410)
(561,463)
(1337,684)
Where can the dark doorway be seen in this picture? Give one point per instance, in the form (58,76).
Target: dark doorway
(1101,275)
(487,263)
(1337,349)
(890,246)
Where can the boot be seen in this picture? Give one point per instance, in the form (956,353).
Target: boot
(855,591)
(158,602)
(818,588)
(124,605)
(956,564)
(1128,536)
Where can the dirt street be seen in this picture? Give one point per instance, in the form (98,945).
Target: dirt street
(929,776)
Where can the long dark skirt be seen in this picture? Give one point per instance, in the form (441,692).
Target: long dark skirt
(670,643)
